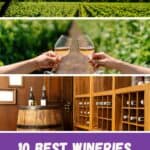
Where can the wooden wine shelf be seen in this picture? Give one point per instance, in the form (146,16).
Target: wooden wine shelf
(133,108)
(109,100)
(103,93)
(82,95)
(131,89)
(81,127)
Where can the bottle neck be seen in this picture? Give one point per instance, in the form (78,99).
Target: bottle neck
(31,96)
(44,95)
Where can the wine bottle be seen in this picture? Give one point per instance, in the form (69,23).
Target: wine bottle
(128,103)
(109,103)
(142,102)
(31,100)
(140,119)
(43,100)
(125,117)
(140,80)
(105,103)
(133,103)
(81,112)
(80,103)
(101,103)
(87,103)
(98,103)
(133,118)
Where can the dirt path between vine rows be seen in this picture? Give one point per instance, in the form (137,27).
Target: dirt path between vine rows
(75,62)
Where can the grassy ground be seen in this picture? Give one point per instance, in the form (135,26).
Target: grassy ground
(69,9)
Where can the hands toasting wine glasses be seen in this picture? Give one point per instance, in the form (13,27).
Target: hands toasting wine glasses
(62,49)
(52,59)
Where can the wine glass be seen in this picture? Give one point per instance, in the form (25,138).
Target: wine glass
(86,47)
(61,48)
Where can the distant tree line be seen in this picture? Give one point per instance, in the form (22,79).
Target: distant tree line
(82,0)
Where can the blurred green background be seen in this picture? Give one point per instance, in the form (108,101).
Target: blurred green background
(20,40)
(128,40)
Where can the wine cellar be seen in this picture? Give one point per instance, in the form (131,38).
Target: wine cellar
(111,104)
(77,103)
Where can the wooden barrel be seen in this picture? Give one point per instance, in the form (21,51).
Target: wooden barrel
(40,118)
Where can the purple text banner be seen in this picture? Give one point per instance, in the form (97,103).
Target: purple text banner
(74,141)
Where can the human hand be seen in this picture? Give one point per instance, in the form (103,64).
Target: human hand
(102,59)
(47,60)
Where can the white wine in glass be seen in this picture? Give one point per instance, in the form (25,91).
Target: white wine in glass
(89,50)
(86,45)
(62,46)
(62,51)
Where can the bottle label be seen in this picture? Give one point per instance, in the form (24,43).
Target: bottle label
(142,102)
(125,117)
(128,103)
(132,118)
(43,102)
(30,102)
(140,119)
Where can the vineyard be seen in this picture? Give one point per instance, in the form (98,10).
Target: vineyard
(77,9)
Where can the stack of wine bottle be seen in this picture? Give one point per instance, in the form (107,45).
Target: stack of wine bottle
(132,116)
(103,105)
(84,111)
(103,101)
(133,112)
(33,102)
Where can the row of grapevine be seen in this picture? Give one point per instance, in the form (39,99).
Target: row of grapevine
(117,10)
(120,10)
(90,11)
(33,9)
(83,12)
(70,9)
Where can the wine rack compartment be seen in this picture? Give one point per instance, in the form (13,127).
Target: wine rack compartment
(106,84)
(132,111)
(82,111)
(82,85)
(103,114)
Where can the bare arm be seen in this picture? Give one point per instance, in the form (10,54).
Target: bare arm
(45,60)
(20,68)
(102,59)
(127,68)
